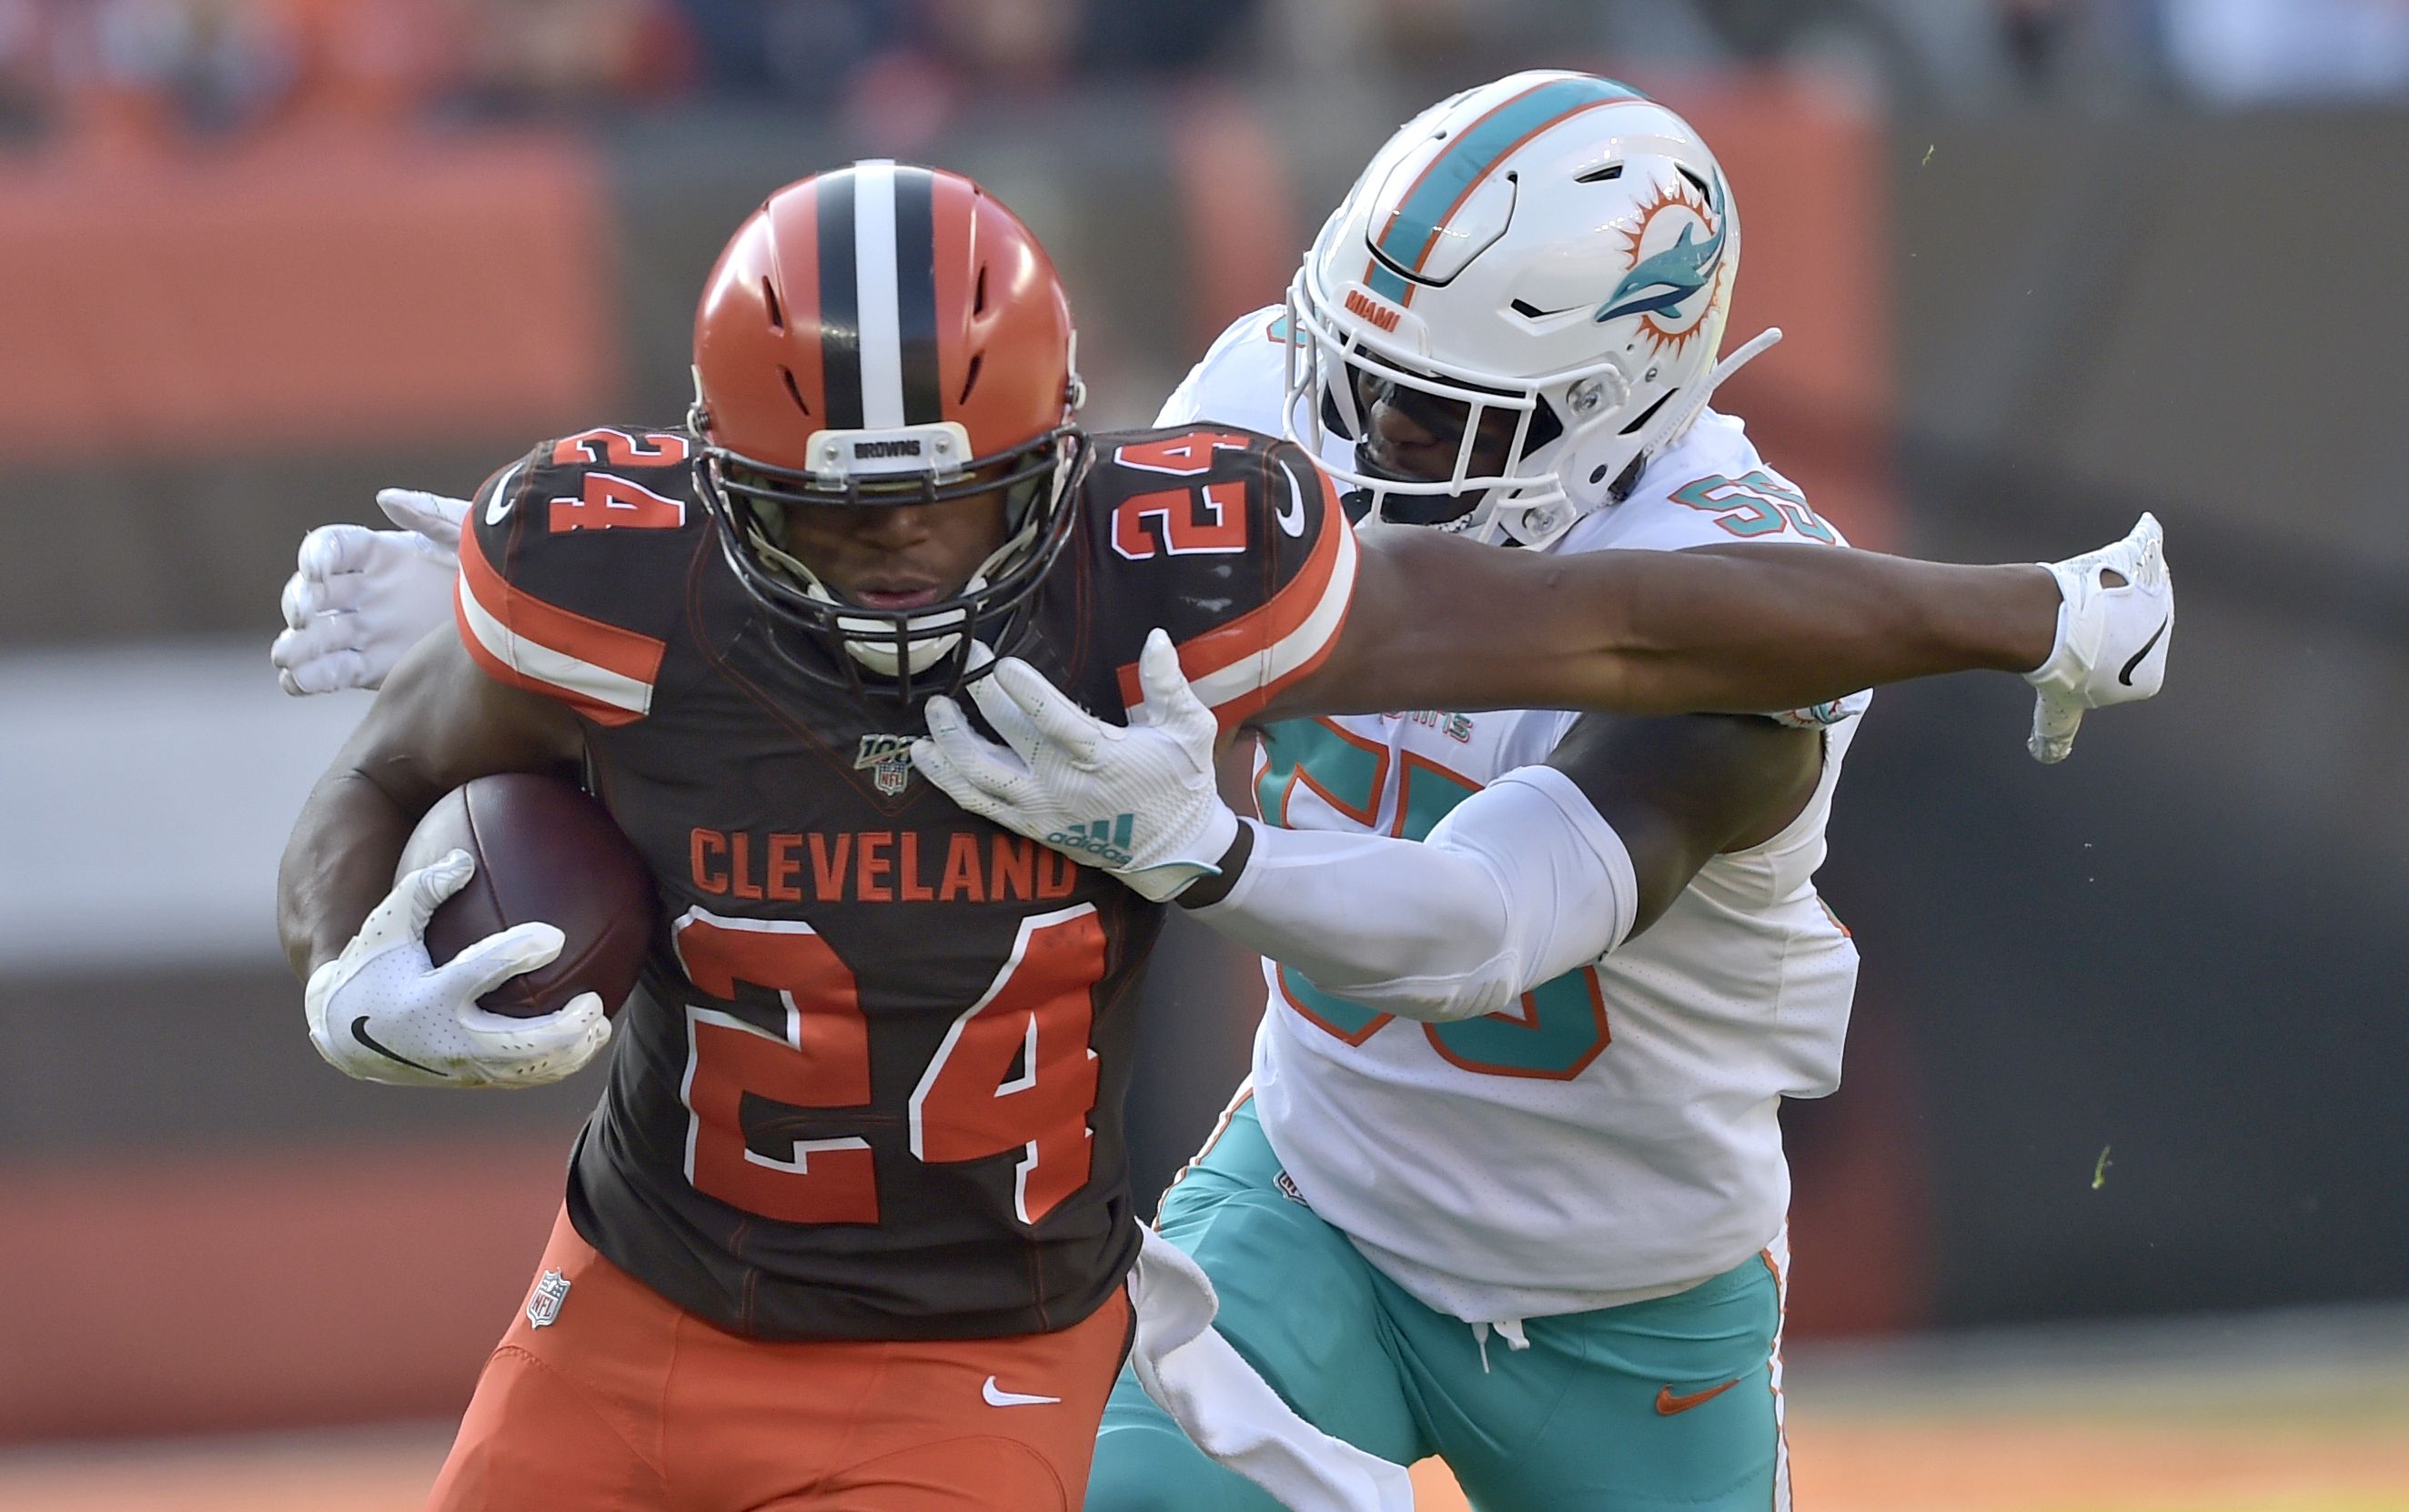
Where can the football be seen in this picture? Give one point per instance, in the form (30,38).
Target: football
(544,851)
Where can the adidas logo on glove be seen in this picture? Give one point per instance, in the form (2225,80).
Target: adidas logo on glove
(1108,840)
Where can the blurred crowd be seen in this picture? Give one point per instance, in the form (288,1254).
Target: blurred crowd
(129,72)
(167,71)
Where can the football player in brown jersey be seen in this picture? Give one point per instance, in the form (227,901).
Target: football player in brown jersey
(850,1226)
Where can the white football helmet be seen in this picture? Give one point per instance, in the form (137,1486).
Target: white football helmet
(1552,245)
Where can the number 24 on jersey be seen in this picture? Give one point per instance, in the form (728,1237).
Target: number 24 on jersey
(1014,1072)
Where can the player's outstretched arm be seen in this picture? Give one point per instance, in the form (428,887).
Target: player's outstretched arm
(378,1007)
(1545,870)
(1439,622)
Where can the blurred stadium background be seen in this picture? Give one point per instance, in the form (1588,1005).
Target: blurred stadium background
(2114,1212)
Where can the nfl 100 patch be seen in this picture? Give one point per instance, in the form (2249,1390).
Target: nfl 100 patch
(888,760)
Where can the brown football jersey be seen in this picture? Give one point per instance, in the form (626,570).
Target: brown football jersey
(871,1085)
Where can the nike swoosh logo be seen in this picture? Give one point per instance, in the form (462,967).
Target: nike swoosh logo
(2125,676)
(997,1398)
(1292,519)
(360,1033)
(498,507)
(1668,1402)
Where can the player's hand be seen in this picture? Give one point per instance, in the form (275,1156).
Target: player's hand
(1137,801)
(384,1011)
(364,596)
(2112,636)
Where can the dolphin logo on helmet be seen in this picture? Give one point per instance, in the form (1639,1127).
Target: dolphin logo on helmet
(1663,281)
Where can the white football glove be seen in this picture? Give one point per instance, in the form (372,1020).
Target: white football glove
(1137,801)
(364,596)
(2112,640)
(382,1012)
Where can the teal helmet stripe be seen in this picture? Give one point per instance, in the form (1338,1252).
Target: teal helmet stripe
(1385,282)
(1464,162)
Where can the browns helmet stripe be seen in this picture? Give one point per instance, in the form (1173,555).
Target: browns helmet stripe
(839,301)
(895,295)
(874,271)
(916,295)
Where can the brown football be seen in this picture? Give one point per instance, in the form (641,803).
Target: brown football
(544,851)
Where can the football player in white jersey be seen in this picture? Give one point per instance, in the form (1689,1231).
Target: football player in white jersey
(1516,1085)
(1507,1185)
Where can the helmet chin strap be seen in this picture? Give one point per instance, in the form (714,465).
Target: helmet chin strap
(1540,522)
(1676,421)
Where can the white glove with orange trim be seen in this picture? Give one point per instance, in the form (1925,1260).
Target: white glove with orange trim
(1136,801)
(382,1011)
(362,597)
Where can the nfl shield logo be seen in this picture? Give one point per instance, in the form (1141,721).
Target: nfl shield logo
(888,760)
(551,1291)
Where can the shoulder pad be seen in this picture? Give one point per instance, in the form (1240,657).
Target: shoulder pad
(1232,542)
(1711,489)
(1241,380)
(573,564)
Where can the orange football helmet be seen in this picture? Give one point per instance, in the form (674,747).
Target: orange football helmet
(882,335)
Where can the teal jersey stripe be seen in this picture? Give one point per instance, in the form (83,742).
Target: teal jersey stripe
(1469,158)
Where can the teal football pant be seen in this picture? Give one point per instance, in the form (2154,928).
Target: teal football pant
(1671,1403)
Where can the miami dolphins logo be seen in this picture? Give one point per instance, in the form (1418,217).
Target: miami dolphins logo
(1660,282)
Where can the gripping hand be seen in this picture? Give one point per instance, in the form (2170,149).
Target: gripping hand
(2112,637)
(364,596)
(384,1011)
(1138,801)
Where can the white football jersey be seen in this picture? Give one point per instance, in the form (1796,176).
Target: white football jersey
(1616,1141)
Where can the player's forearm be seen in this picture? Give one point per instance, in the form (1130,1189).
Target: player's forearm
(1522,882)
(1784,626)
(438,723)
(1396,925)
(338,864)
(1883,619)
(1441,623)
